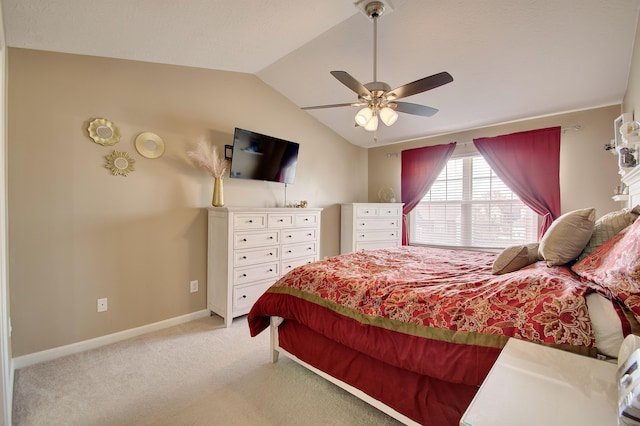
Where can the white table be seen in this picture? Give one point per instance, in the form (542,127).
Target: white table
(531,384)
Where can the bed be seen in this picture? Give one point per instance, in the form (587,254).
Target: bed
(415,330)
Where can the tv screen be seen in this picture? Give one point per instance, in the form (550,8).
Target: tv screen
(262,157)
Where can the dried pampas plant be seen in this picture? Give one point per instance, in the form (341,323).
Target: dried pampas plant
(206,156)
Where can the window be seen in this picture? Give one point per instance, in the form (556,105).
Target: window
(469,206)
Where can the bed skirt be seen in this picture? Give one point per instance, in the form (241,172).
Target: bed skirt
(423,399)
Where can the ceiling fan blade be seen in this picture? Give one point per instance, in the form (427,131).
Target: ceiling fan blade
(334,105)
(420,86)
(353,84)
(415,109)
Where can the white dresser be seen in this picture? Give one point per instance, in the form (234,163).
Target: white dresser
(250,248)
(368,226)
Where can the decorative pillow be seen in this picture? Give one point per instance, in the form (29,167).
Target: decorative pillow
(567,236)
(614,267)
(514,258)
(608,226)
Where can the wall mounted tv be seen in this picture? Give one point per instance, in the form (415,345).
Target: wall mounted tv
(261,157)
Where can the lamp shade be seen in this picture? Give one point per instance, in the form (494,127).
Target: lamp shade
(364,116)
(388,116)
(372,125)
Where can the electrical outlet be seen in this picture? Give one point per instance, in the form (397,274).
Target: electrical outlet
(102,305)
(194,286)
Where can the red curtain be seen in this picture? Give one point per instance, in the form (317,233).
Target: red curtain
(420,168)
(529,164)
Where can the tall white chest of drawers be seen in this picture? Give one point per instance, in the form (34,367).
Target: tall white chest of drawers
(250,248)
(368,226)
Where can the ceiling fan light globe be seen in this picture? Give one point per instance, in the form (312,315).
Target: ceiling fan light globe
(388,116)
(364,116)
(372,125)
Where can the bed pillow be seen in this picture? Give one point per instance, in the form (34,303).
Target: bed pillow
(608,226)
(567,237)
(614,267)
(514,258)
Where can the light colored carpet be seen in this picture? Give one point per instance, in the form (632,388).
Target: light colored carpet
(198,373)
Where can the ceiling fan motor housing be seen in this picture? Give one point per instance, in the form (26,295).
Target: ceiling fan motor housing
(375,9)
(370,8)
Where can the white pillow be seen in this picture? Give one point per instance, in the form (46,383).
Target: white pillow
(606,325)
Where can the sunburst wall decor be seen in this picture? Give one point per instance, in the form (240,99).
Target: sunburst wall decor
(119,163)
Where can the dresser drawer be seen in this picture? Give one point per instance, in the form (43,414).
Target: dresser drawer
(366,211)
(255,273)
(376,235)
(389,211)
(280,220)
(255,239)
(296,250)
(298,235)
(251,257)
(245,296)
(373,245)
(390,223)
(288,265)
(250,221)
(306,219)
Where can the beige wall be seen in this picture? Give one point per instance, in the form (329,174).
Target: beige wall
(77,234)
(631,101)
(588,174)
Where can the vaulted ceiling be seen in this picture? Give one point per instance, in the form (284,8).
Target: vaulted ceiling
(510,59)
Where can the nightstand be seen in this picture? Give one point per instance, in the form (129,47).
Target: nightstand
(532,384)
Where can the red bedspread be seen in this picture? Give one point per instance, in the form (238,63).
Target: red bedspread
(437,312)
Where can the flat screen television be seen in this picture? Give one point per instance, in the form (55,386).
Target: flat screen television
(261,157)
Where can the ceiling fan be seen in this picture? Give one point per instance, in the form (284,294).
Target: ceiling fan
(377,97)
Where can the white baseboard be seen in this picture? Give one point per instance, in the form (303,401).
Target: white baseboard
(50,354)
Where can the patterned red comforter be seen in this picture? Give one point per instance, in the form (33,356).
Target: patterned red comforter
(437,312)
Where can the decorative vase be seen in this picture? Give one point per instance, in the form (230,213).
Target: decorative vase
(218,198)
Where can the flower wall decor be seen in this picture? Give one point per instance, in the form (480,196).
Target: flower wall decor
(119,163)
(104,132)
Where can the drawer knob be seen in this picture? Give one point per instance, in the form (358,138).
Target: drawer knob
(289,251)
(306,219)
(270,269)
(244,296)
(243,275)
(309,248)
(270,254)
(309,234)
(244,240)
(289,236)
(280,220)
(362,235)
(250,220)
(243,257)
(271,237)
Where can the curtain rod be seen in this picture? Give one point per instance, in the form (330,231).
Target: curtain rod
(575,127)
